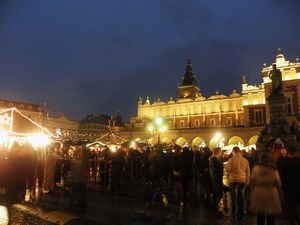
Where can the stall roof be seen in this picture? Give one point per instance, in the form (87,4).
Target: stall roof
(14,122)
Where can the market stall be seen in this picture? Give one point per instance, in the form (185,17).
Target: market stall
(16,127)
(22,142)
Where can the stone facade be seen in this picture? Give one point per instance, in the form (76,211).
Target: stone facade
(235,119)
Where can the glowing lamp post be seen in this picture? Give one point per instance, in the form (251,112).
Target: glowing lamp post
(157,127)
(219,140)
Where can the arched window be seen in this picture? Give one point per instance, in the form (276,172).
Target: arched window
(197,123)
(212,122)
(181,124)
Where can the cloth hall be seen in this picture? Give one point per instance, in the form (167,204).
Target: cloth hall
(219,120)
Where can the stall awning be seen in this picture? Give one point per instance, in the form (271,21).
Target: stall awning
(13,122)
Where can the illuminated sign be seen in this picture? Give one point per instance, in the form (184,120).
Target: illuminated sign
(5,121)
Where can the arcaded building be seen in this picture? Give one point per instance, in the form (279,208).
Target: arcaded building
(219,119)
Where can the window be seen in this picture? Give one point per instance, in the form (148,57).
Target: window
(197,123)
(212,122)
(30,107)
(229,121)
(242,121)
(181,125)
(10,105)
(258,116)
(289,111)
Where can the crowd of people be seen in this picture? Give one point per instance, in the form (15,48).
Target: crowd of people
(26,172)
(257,183)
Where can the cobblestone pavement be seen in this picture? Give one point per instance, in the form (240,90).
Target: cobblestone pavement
(133,205)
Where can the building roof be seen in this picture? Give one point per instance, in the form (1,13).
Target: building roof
(189,78)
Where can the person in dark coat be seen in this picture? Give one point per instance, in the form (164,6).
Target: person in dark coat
(77,179)
(196,163)
(155,167)
(177,190)
(117,166)
(205,174)
(15,174)
(290,176)
(146,164)
(216,173)
(185,172)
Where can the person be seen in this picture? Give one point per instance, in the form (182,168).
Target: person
(155,171)
(216,174)
(251,157)
(275,76)
(238,171)
(16,174)
(185,172)
(205,175)
(281,161)
(177,190)
(146,164)
(39,169)
(196,163)
(50,171)
(265,180)
(117,166)
(29,163)
(155,161)
(290,176)
(77,179)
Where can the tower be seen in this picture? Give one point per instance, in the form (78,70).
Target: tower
(188,88)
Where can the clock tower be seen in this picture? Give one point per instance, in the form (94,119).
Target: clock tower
(188,88)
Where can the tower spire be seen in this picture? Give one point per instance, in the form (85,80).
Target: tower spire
(189,77)
(188,88)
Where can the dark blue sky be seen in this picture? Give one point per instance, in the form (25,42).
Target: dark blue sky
(95,56)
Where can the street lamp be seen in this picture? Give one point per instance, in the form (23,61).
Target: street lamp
(220,140)
(157,126)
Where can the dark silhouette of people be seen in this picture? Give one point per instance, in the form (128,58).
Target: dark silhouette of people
(155,167)
(177,190)
(185,172)
(117,166)
(205,174)
(77,178)
(146,164)
(20,171)
(290,175)
(216,173)
(196,163)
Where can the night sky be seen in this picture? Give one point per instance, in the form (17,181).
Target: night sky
(93,56)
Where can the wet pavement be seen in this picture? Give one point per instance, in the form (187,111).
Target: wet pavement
(133,205)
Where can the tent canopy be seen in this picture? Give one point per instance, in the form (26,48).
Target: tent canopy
(15,123)
(111,138)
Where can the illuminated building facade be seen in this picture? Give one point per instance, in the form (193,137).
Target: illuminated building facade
(87,129)
(234,119)
(59,126)
(32,111)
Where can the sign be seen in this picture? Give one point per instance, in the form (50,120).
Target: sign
(5,122)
